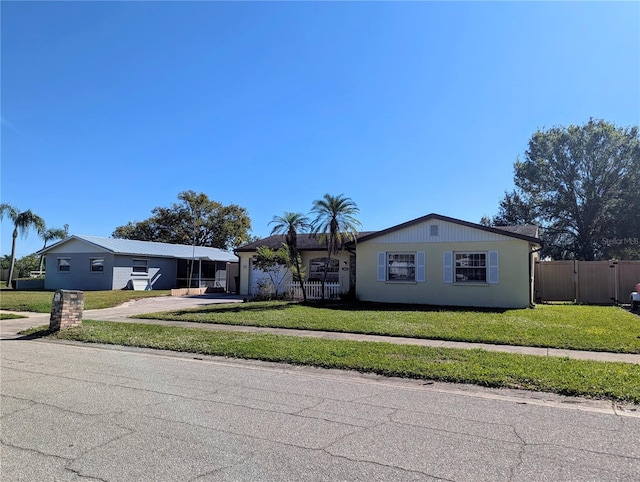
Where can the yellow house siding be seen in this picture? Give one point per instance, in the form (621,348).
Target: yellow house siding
(512,289)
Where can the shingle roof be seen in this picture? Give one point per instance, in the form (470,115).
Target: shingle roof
(150,248)
(529,230)
(309,242)
(306,242)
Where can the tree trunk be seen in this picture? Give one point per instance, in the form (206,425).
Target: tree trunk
(13,257)
(42,258)
(326,269)
(300,280)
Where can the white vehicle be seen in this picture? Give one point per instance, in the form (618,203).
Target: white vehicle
(634,299)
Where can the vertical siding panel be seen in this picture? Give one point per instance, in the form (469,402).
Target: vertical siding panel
(447,233)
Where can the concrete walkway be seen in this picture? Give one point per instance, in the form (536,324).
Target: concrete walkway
(122,313)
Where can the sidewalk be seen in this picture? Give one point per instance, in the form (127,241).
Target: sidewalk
(10,328)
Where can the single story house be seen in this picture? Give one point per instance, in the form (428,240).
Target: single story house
(341,268)
(97,263)
(434,260)
(438,260)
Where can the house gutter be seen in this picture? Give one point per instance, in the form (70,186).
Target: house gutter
(531,278)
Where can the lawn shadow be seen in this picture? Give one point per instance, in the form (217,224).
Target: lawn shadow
(231,308)
(338,305)
(33,336)
(377,306)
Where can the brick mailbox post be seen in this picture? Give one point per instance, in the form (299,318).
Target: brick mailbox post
(66,309)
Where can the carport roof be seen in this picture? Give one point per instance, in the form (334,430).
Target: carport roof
(148,248)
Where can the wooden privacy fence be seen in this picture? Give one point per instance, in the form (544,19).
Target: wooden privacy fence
(313,289)
(594,282)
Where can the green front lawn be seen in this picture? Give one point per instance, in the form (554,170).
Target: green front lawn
(594,328)
(616,381)
(10,316)
(40,301)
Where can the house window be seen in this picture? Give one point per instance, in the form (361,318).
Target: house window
(64,265)
(401,266)
(316,270)
(470,267)
(96,265)
(407,267)
(140,266)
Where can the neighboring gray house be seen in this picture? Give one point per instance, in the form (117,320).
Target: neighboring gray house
(95,263)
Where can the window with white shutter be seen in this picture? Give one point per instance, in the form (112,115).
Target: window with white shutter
(402,266)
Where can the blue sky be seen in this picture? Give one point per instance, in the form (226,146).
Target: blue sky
(110,109)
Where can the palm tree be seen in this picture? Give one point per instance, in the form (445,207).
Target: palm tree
(22,222)
(49,235)
(289,224)
(336,223)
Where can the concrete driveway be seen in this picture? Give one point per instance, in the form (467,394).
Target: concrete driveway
(10,328)
(159,303)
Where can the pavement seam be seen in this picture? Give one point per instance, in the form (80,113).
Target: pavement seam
(39,452)
(327,450)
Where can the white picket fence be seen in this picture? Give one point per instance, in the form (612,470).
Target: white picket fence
(313,289)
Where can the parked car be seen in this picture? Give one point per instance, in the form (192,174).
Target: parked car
(634,299)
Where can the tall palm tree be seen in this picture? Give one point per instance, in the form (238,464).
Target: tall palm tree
(49,235)
(289,224)
(22,222)
(335,223)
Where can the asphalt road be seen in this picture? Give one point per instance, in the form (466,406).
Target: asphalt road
(88,412)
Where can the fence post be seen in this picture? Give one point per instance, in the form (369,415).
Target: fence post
(576,285)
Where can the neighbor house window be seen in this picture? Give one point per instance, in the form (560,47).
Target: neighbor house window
(140,266)
(317,267)
(470,267)
(64,265)
(96,265)
(401,266)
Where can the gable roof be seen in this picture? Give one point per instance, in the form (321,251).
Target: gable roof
(148,248)
(528,233)
(306,242)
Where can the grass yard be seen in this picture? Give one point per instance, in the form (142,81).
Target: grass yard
(40,301)
(593,328)
(615,381)
(10,316)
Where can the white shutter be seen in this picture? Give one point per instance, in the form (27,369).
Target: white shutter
(420,267)
(382,266)
(493,273)
(447,268)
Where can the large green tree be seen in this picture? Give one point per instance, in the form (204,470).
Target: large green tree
(196,219)
(22,221)
(335,223)
(289,224)
(581,184)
